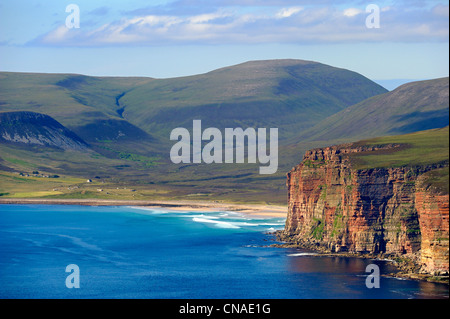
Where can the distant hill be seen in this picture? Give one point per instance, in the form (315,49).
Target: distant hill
(289,94)
(127,121)
(412,107)
(30,128)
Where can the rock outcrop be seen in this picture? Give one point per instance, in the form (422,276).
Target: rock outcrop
(338,208)
(30,128)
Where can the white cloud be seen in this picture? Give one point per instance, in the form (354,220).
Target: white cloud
(302,25)
(351,12)
(441,10)
(202,18)
(287,12)
(57,35)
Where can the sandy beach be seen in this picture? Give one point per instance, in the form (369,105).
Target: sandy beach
(250,209)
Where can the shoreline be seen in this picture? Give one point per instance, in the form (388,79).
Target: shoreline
(406,269)
(255,210)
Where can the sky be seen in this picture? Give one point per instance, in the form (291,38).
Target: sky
(162,38)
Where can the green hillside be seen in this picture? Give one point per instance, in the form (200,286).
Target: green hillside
(130,119)
(415,149)
(127,121)
(289,94)
(71,99)
(412,107)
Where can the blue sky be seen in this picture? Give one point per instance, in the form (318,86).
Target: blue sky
(176,38)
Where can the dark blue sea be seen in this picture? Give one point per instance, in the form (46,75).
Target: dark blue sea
(129,252)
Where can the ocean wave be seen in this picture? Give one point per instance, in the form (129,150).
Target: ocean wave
(150,211)
(302,254)
(219,219)
(244,224)
(217,223)
(201,216)
(236,222)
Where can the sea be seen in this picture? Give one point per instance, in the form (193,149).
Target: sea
(118,252)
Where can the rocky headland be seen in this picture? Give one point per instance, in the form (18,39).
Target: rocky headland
(392,213)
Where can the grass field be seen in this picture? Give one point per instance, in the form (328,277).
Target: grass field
(134,178)
(131,177)
(416,149)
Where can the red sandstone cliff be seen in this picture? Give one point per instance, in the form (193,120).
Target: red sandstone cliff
(382,210)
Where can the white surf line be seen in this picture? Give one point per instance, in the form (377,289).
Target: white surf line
(302,254)
(218,223)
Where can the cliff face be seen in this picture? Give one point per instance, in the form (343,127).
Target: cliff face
(337,208)
(433,211)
